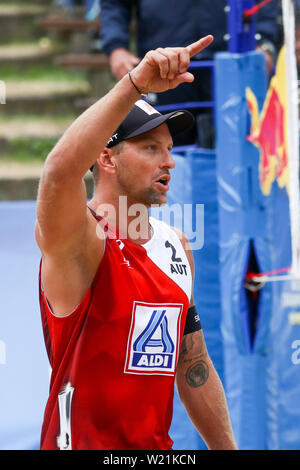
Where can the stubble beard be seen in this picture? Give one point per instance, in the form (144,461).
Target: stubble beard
(145,196)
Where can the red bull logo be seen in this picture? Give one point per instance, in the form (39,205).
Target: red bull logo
(269,130)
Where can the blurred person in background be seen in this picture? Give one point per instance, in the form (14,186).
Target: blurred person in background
(91,7)
(173,23)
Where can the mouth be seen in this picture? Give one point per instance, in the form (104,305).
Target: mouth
(162,182)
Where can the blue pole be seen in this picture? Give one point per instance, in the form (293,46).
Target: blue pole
(241,31)
(194,65)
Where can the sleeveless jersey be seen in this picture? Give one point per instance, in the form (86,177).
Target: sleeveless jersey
(114,357)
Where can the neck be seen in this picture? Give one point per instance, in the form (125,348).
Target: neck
(130,219)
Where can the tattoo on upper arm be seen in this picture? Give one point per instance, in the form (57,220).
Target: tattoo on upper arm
(193,356)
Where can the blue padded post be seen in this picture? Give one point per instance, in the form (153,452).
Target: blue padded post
(249,218)
(241,32)
(242,218)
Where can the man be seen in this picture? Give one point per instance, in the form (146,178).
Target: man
(118,323)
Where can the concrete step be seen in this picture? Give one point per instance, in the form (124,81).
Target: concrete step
(66,24)
(42,97)
(19,182)
(97,62)
(95,66)
(20,174)
(20,22)
(31,129)
(75,31)
(34,126)
(27,55)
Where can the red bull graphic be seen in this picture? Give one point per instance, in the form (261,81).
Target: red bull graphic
(269,130)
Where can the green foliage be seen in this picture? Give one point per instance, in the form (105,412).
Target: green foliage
(28,149)
(39,72)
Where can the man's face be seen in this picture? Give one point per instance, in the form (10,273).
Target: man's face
(144,164)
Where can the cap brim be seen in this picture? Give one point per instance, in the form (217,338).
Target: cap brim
(177,121)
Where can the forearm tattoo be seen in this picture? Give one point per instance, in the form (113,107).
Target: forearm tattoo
(194,355)
(197,374)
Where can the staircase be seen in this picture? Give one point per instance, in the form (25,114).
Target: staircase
(49,77)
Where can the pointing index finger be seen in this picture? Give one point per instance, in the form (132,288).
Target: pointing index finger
(198,46)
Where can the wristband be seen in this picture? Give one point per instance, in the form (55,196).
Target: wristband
(130,78)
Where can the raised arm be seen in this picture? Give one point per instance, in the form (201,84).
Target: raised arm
(65,229)
(61,204)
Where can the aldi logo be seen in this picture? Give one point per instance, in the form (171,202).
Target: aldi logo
(153,341)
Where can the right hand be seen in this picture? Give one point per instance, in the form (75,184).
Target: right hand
(121,62)
(164,69)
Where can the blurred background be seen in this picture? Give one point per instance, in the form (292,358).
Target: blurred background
(51,74)
(52,67)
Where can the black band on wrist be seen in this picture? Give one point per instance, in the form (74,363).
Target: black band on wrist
(130,78)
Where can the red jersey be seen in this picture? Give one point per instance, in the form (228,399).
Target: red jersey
(114,357)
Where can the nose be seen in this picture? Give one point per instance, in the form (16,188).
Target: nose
(168,160)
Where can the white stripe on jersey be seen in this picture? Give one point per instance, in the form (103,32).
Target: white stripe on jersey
(166,251)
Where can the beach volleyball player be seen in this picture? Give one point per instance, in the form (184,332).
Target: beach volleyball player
(119,324)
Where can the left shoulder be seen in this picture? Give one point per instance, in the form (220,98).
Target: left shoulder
(181,235)
(164,229)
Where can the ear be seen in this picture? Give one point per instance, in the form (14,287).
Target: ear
(107,161)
